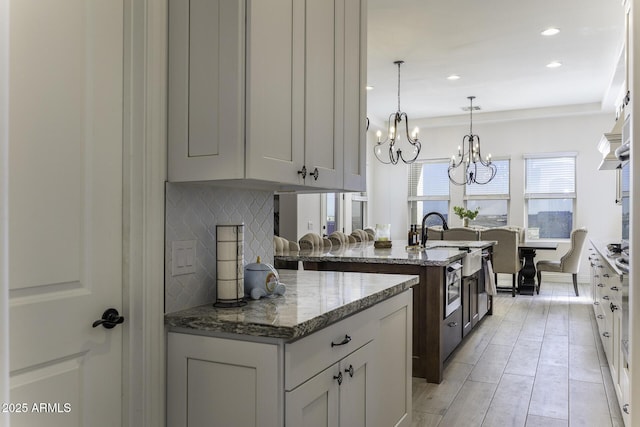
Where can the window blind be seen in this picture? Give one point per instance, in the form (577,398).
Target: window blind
(550,176)
(429,179)
(499,185)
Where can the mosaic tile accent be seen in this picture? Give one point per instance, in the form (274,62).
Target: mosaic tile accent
(192,212)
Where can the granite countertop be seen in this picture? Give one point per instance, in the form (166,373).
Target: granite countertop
(601,247)
(437,253)
(313,300)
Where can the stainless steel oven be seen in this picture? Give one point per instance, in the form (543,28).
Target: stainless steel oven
(452,288)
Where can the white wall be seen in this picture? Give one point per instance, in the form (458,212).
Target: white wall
(595,210)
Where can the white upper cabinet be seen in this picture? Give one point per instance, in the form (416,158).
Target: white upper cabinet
(270,91)
(206,90)
(355,101)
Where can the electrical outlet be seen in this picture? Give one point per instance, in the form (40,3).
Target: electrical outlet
(183,257)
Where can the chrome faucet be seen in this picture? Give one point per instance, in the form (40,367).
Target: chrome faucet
(424,223)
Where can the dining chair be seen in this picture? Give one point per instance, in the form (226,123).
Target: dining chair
(569,263)
(282,246)
(460,233)
(506,256)
(314,241)
(338,238)
(434,232)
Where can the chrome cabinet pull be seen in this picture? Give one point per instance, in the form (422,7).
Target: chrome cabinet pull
(625,408)
(615,288)
(600,316)
(303,172)
(606,297)
(452,324)
(606,334)
(346,340)
(601,285)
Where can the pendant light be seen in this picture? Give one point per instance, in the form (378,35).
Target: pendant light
(389,151)
(476,169)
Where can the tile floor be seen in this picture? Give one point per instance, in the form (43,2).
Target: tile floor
(536,362)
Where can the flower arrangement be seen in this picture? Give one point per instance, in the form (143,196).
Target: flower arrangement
(465,213)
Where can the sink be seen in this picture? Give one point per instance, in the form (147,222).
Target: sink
(472,262)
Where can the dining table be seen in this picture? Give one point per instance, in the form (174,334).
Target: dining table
(527,283)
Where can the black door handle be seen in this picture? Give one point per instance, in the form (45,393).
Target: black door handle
(110,318)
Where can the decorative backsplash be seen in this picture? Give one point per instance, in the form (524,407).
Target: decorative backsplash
(192,212)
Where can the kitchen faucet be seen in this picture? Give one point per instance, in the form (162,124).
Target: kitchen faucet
(424,223)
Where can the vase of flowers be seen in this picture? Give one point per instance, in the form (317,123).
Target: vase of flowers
(465,214)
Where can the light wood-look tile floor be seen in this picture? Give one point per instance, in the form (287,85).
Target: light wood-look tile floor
(537,361)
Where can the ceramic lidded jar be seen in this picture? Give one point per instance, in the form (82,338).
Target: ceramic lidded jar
(261,279)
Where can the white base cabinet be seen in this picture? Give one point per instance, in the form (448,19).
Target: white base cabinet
(356,372)
(610,304)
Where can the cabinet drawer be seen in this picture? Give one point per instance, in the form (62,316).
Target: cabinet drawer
(310,355)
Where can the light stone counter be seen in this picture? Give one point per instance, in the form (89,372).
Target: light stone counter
(437,253)
(313,301)
(606,256)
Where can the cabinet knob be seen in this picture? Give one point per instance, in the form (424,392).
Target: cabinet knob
(315,174)
(606,334)
(346,340)
(601,285)
(606,297)
(613,307)
(600,316)
(625,408)
(338,377)
(596,303)
(303,172)
(452,324)
(606,275)
(615,288)
(349,371)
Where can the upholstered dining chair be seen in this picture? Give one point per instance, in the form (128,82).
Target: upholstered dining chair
(506,256)
(569,263)
(460,233)
(314,241)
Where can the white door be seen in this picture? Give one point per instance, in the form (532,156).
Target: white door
(65,210)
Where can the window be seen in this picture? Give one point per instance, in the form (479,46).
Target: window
(492,199)
(428,191)
(550,192)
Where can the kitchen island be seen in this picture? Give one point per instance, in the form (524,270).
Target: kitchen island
(336,345)
(435,334)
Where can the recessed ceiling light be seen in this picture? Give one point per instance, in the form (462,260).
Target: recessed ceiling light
(554,64)
(453,77)
(550,32)
(369,87)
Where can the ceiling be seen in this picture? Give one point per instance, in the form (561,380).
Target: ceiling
(496,48)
